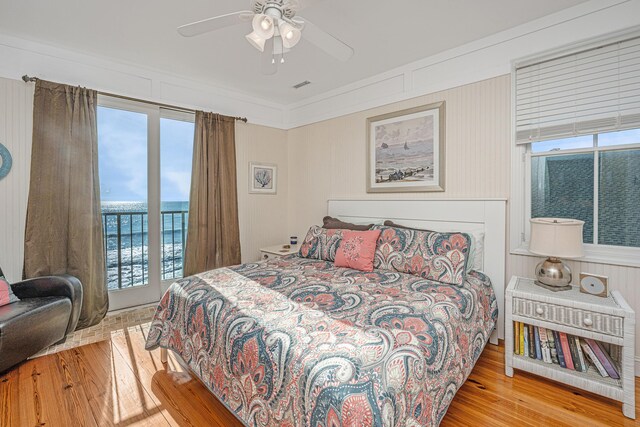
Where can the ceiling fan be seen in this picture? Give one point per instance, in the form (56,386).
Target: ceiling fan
(276,29)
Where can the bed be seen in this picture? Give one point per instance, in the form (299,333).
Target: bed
(300,342)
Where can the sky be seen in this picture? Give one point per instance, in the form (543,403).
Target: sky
(399,132)
(585,141)
(122,156)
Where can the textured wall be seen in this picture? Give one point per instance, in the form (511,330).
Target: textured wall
(263,217)
(16,106)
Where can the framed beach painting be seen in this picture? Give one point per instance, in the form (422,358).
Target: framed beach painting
(406,150)
(263,178)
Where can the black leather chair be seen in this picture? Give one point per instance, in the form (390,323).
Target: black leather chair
(48,310)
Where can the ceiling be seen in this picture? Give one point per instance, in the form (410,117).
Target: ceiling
(384,34)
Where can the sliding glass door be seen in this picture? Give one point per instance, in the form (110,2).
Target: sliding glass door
(144,156)
(176,156)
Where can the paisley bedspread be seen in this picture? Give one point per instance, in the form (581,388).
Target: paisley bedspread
(298,342)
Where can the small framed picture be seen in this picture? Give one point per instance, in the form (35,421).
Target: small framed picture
(594,284)
(263,178)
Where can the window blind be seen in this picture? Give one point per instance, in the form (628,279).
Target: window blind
(584,92)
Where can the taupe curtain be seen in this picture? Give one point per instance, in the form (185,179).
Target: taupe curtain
(213,236)
(64,222)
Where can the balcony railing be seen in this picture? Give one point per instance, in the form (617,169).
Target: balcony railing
(126,246)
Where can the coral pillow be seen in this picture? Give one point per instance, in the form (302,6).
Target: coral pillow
(357,250)
(6,295)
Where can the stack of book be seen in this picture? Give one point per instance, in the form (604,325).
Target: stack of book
(568,351)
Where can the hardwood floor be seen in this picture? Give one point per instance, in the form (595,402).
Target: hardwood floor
(118,383)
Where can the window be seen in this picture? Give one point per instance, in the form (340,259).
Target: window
(145,156)
(576,128)
(593,178)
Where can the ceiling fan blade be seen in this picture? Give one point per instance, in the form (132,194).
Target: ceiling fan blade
(304,4)
(267,64)
(246,16)
(213,24)
(324,40)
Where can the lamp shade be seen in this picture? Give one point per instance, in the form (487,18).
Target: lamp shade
(556,237)
(263,26)
(256,41)
(290,34)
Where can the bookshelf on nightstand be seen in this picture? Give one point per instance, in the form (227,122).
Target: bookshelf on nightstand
(277,251)
(609,320)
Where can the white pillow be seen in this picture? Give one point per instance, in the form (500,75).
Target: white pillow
(476,255)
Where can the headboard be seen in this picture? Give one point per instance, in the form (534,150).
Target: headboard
(484,215)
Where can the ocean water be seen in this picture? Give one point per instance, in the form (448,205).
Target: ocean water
(126,232)
(418,156)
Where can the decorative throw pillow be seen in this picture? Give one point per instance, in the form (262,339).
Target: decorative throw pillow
(321,243)
(476,254)
(390,223)
(332,223)
(357,250)
(6,294)
(441,257)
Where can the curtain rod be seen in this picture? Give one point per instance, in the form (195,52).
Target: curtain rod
(28,79)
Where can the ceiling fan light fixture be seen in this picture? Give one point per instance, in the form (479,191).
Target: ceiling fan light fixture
(263,26)
(256,41)
(276,29)
(290,34)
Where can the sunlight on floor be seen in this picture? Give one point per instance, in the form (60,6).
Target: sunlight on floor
(112,324)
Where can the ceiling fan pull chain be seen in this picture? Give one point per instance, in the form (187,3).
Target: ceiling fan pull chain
(273,52)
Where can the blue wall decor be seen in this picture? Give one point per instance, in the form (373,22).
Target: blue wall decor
(5,157)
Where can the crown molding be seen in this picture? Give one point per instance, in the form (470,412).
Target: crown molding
(21,56)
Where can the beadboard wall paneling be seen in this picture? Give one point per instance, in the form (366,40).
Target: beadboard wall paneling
(263,217)
(16,118)
(327,160)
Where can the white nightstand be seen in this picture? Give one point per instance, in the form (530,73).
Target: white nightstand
(609,320)
(277,251)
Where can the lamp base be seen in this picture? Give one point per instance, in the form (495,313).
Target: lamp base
(553,288)
(553,274)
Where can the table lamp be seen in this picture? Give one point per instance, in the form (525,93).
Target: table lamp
(555,238)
